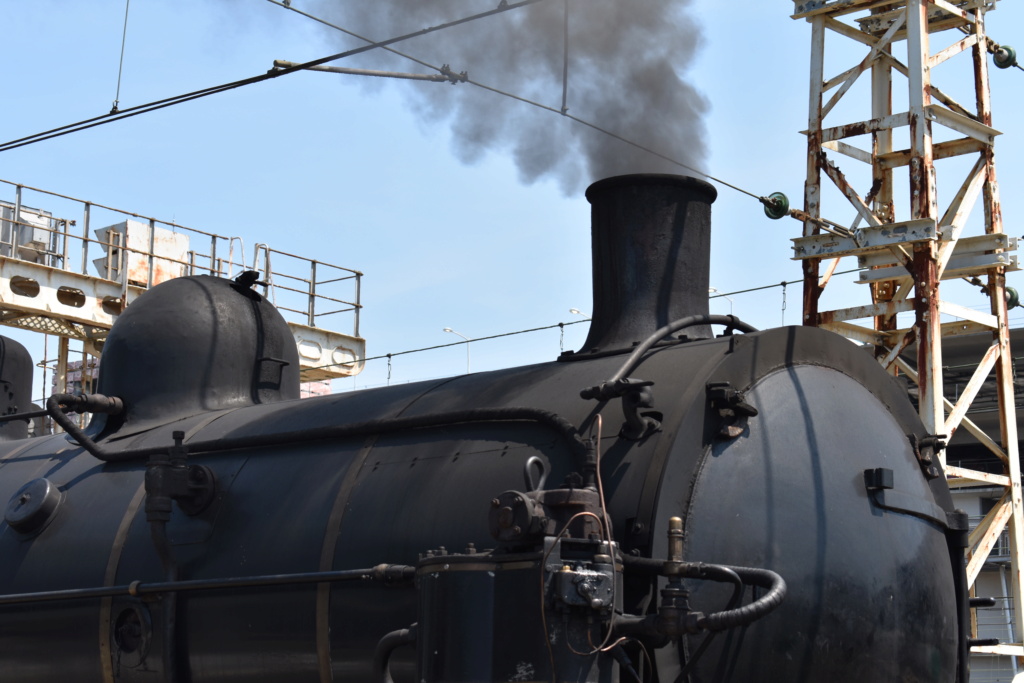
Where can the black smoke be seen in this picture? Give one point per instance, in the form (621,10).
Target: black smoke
(627,62)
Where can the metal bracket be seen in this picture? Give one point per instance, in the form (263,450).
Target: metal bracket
(925,450)
(635,394)
(732,409)
(880,485)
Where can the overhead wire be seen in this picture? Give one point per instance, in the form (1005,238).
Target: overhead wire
(224,87)
(564,109)
(353,34)
(116,114)
(561,326)
(120,64)
(459,343)
(565,56)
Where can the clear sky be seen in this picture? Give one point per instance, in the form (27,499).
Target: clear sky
(353,173)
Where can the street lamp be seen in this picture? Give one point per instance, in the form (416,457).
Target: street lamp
(576,311)
(448,329)
(712,290)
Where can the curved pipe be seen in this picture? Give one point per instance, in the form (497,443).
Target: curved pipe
(730,618)
(387,645)
(730,321)
(86,403)
(741,616)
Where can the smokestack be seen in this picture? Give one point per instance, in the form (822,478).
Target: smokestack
(651,237)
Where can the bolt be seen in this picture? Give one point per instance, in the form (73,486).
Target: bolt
(495,502)
(638,527)
(517,530)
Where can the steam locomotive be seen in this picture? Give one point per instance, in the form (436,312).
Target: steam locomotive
(683,499)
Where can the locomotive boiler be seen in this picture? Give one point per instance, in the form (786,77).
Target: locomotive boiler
(682,499)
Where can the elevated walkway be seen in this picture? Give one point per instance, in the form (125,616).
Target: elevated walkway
(71,278)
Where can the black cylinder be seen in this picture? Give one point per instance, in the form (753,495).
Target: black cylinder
(15,388)
(198,343)
(651,238)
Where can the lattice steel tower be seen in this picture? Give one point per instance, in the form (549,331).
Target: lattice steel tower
(905,141)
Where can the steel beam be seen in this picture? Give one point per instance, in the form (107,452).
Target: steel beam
(915,244)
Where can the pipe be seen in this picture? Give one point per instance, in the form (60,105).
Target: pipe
(388,573)
(169,606)
(24,416)
(388,644)
(741,616)
(556,422)
(729,618)
(86,403)
(619,384)
(730,321)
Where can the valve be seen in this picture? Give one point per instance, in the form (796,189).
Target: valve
(170,478)
(776,205)
(1005,57)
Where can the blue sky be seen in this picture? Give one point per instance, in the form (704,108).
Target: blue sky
(340,169)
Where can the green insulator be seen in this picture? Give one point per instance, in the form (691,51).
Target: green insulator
(1005,57)
(776,205)
(1012,298)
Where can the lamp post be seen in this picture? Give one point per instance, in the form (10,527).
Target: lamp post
(576,311)
(712,290)
(448,329)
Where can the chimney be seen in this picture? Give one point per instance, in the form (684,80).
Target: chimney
(651,237)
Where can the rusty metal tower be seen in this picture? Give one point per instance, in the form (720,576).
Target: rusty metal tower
(904,138)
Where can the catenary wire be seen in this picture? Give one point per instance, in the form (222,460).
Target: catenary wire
(274,73)
(117,115)
(563,111)
(459,343)
(562,325)
(354,34)
(120,64)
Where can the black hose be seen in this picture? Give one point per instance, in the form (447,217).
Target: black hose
(85,403)
(387,645)
(730,321)
(729,618)
(691,661)
(741,616)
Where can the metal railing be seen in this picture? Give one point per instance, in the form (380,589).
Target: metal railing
(307,291)
(325,286)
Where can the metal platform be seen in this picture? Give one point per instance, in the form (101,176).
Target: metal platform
(72,279)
